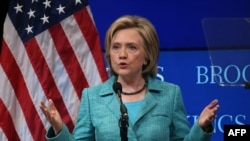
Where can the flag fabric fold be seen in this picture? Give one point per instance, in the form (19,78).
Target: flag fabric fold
(50,50)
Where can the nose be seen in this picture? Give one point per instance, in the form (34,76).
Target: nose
(123,53)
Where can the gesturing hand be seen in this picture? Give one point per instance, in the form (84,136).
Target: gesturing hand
(208,114)
(52,116)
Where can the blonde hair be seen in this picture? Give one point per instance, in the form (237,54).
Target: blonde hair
(150,38)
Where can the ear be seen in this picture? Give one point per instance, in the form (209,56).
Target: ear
(145,62)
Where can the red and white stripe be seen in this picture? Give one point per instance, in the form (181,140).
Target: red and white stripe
(58,63)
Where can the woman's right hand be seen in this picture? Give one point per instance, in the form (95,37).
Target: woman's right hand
(52,115)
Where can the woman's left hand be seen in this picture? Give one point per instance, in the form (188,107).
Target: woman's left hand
(208,114)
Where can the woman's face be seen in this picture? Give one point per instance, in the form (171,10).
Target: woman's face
(127,53)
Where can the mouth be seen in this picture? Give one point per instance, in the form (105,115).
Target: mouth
(123,65)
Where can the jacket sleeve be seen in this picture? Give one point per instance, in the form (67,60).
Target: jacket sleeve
(83,131)
(197,134)
(63,135)
(180,127)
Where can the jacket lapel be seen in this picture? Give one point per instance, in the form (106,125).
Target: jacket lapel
(149,100)
(112,101)
(148,104)
(114,106)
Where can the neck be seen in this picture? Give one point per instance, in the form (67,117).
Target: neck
(135,92)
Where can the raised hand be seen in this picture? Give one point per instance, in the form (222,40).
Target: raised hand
(208,114)
(52,116)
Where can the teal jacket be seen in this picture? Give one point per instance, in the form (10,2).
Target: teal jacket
(162,116)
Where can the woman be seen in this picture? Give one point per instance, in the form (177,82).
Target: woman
(155,108)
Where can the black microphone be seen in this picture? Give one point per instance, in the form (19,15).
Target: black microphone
(117,87)
(123,122)
(247,85)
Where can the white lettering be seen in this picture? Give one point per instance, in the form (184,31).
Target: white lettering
(243,131)
(228,118)
(237,119)
(231,132)
(235,132)
(231,74)
(216,74)
(202,72)
(244,72)
(237,74)
(158,75)
(220,121)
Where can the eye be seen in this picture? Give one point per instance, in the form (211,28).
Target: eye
(115,47)
(132,47)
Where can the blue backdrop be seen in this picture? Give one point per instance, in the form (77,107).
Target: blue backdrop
(184,58)
(187,69)
(178,22)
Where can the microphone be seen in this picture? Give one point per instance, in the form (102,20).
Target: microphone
(247,85)
(117,87)
(123,122)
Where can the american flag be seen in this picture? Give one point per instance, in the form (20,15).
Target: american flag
(50,49)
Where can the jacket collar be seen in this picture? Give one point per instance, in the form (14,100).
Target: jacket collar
(149,100)
(107,88)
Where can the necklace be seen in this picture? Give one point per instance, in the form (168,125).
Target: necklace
(136,92)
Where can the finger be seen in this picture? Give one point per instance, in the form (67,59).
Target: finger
(45,111)
(213,104)
(43,107)
(52,105)
(215,109)
(213,113)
